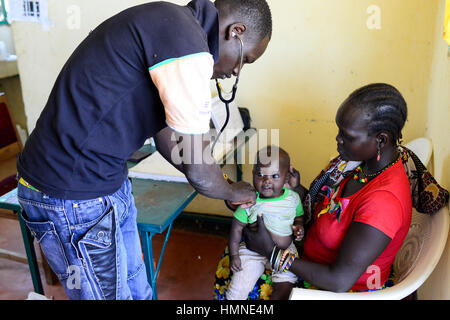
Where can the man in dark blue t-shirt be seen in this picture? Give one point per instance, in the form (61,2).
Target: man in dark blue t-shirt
(143,73)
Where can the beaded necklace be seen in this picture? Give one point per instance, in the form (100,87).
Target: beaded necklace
(359,171)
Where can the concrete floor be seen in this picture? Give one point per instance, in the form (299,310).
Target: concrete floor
(187,271)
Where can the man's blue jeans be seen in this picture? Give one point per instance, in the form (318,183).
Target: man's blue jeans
(92,245)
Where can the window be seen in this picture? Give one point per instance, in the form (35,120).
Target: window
(3,9)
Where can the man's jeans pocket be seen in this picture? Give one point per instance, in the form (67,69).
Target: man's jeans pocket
(98,248)
(88,211)
(46,236)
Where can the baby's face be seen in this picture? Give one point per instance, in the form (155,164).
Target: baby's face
(269,179)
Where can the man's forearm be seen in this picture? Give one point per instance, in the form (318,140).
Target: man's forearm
(192,156)
(208,180)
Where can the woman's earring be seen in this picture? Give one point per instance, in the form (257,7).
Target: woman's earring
(379,154)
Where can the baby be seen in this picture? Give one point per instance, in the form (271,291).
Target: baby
(282,211)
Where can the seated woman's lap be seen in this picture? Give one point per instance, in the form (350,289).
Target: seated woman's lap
(263,287)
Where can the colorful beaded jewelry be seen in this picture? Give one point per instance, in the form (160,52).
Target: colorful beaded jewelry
(281,260)
(359,171)
(288,263)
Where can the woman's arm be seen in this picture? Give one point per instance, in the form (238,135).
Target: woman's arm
(360,247)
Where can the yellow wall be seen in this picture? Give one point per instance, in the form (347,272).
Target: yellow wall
(438,130)
(320,52)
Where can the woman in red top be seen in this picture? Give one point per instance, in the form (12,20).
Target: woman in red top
(359,225)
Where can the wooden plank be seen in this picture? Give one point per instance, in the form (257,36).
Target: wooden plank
(15,256)
(9,151)
(8,214)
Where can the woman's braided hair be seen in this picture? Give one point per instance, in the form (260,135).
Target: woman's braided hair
(386,107)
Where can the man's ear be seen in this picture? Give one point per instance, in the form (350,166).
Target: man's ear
(235,30)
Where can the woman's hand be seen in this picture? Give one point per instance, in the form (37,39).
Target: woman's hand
(260,240)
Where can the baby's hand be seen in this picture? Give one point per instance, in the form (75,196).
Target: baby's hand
(293,178)
(235,263)
(298,231)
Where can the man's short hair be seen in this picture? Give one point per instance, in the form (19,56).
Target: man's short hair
(254,13)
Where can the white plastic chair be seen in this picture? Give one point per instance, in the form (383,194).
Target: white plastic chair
(416,259)
(422,147)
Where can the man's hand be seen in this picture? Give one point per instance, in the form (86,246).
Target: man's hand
(244,195)
(260,240)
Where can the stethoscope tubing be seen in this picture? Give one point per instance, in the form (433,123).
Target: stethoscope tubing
(233,94)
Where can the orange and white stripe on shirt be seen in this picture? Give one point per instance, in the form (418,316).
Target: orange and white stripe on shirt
(184,89)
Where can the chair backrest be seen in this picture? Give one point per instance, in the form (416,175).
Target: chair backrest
(425,230)
(413,246)
(10,143)
(422,147)
(422,247)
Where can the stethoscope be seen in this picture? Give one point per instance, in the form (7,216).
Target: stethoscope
(233,92)
(227,103)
